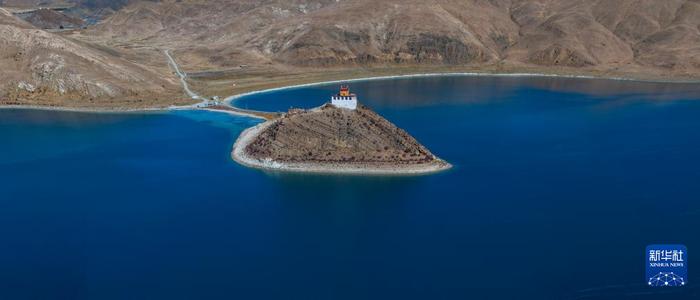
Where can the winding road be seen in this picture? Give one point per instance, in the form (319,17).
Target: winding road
(205,104)
(183,77)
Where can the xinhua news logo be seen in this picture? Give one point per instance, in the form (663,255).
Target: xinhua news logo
(667,265)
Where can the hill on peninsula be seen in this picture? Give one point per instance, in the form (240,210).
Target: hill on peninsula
(330,137)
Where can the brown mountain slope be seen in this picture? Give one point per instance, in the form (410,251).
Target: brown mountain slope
(610,34)
(41,68)
(597,35)
(251,41)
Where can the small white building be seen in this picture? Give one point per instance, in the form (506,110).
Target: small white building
(344,99)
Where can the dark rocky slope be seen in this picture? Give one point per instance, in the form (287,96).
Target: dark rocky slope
(51,19)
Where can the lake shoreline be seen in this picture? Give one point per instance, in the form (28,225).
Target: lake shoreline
(231,99)
(85,109)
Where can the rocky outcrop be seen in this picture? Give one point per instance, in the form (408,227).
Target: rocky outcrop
(51,19)
(330,138)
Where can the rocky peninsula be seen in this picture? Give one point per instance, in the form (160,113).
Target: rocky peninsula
(329,139)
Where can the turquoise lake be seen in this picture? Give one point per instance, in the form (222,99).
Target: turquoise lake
(558,186)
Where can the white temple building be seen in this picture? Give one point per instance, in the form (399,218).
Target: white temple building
(344,99)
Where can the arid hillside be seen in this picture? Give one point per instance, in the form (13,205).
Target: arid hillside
(42,68)
(231,46)
(634,36)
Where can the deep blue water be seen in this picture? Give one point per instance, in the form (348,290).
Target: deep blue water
(558,187)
